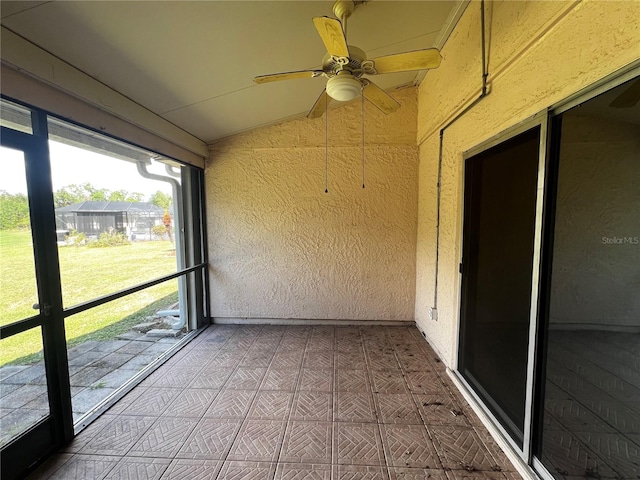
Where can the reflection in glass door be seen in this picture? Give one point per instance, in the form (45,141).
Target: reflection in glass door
(591,405)
(32,350)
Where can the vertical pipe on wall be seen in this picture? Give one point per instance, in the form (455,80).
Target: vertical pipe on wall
(483,93)
(180,254)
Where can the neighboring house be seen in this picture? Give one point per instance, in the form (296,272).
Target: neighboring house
(135,219)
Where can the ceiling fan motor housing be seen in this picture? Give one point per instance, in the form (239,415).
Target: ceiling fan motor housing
(353,63)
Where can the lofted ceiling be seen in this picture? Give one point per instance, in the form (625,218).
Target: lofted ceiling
(193,62)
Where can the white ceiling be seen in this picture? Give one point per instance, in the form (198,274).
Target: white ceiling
(193,63)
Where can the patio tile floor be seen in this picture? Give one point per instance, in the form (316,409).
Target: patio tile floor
(96,369)
(289,402)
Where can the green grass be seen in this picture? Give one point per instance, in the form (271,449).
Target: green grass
(17,276)
(86,273)
(105,333)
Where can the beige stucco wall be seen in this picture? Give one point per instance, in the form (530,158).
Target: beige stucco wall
(539,53)
(596,258)
(282,248)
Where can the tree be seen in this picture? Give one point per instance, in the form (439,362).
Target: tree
(81,193)
(124,196)
(68,195)
(96,194)
(78,193)
(134,197)
(161,199)
(14,211)
(117,196)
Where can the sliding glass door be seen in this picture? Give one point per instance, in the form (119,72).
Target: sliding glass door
(500,211)
(549,339)
(590,412)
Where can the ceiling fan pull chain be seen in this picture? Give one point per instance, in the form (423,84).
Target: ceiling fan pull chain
(326,144)
(362,102)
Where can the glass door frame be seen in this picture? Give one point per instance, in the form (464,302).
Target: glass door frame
(539,120)
(57,428)
(550,122)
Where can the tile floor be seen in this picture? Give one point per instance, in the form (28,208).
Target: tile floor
(592,405)
(276,402)
(96,369)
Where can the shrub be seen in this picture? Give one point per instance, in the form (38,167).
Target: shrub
(76,238)
(110,238)
(14,211)
(159,231)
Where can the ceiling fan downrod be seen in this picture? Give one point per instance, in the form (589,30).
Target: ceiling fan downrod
(342,10)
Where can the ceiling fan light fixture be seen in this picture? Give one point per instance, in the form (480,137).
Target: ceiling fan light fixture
(344,87)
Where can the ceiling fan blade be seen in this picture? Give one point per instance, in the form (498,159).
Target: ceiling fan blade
(320,106)
(629,98)
(275,77)
(405,62)
(332,35)
(380,98)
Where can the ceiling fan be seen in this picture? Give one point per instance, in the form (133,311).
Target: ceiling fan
(344,65)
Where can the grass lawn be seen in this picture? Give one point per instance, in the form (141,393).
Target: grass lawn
(18,290)
(86,273)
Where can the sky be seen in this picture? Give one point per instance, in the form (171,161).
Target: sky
(72,165)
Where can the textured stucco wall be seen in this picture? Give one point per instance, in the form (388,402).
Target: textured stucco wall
(538,53)
(596,259)
(282,248)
